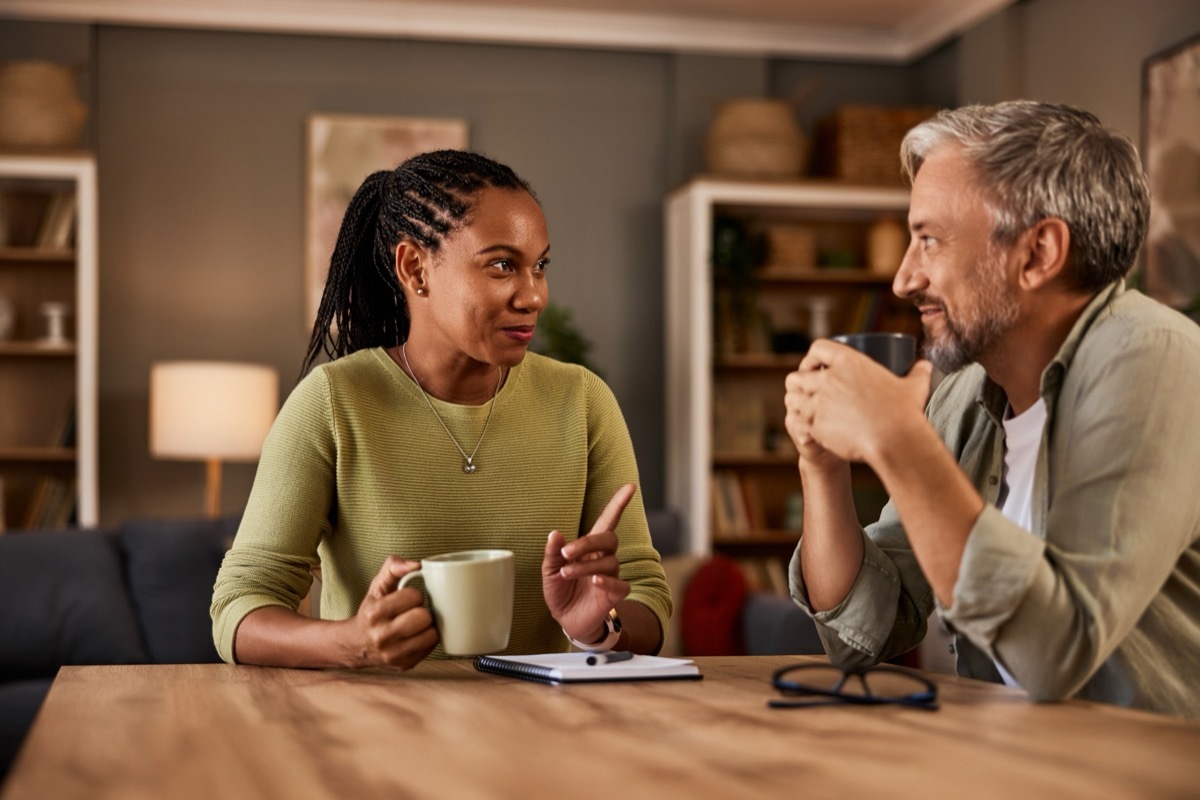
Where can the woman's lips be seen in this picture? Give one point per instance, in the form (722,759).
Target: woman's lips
(521,333)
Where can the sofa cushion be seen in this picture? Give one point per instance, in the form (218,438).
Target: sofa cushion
(775,625)
(171,567)
(19,704)
(666,531)
(63,601)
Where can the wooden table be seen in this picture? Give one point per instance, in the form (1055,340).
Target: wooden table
(446,731)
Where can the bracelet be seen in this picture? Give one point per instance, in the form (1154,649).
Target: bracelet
(612,624)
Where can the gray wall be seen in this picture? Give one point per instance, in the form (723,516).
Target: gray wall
(1087,53)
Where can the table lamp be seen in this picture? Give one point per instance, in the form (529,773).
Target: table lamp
(212,411)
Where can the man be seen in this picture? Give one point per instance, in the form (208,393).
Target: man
(1046,499)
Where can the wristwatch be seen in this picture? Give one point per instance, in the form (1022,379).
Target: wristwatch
(612,624)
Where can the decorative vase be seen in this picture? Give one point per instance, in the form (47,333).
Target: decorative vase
(886,242)
(39,105)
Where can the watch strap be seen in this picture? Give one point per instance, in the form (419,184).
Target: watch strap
(612,624)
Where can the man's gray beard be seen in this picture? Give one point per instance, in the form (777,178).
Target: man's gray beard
(961,346)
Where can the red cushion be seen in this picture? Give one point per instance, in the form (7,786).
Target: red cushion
(712,610)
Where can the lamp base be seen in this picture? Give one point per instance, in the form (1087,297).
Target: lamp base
(212,488)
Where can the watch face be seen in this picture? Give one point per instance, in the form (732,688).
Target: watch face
(614,622)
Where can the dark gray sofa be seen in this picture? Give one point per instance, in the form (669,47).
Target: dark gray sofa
(138,594)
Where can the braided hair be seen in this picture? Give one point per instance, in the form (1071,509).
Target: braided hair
(424,199)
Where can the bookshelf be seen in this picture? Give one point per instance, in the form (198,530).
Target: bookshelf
(48,340)
(738,319)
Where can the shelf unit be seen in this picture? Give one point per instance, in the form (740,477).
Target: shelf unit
(48,389)
(699,371)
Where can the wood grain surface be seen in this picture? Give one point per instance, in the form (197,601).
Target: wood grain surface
(446,731)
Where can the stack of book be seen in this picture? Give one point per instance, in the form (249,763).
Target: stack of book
(736,505)
(58,222)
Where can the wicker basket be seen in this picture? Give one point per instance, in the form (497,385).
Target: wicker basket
(39,105)
(861,144)
(755,138)
(791,249)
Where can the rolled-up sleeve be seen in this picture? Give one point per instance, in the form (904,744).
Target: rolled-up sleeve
(885,612)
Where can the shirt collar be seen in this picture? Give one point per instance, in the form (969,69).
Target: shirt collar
(992,398)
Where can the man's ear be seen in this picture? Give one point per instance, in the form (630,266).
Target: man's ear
(1048,244)
(411,261)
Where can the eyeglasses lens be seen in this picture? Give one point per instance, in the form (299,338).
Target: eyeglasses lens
(879,684)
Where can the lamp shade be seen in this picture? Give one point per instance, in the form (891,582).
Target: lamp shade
(211,409)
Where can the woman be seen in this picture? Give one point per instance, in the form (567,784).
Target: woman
(433,430)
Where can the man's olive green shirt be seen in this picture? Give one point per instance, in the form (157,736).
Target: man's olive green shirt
(1102,599)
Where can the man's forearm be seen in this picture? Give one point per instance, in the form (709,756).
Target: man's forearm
(935,501)
(831,550)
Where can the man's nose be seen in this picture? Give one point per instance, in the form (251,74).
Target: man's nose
(909,278)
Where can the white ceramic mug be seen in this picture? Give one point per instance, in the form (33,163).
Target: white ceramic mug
(471,594)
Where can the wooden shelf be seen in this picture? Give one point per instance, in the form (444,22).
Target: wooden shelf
(759,538)
(40,254)
(857,276)
(37,350)
(760,361)
(723,407)
(37,455)
(755,460)
(48,393)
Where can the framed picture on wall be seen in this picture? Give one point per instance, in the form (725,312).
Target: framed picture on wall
(342,150)
(1171,148)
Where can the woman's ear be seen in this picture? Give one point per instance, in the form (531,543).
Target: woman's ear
(1049,244)
(410,263)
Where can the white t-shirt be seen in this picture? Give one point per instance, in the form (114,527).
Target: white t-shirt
(1022,437)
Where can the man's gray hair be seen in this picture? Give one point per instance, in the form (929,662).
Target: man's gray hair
(1039,160)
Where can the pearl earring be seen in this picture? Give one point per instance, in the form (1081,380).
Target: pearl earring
(421,292)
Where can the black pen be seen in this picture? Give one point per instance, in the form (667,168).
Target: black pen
(607,658)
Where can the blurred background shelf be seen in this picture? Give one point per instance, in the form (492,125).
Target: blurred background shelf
(754,272)
(48,393)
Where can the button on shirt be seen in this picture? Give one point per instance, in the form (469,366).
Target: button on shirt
(1100,597)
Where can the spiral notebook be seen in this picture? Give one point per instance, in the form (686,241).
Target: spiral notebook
(573,668)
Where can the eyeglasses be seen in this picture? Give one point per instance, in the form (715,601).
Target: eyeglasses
(824,685)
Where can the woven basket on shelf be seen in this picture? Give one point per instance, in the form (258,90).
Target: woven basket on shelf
(791,249)
(861,144)
(39,105)
(755,138)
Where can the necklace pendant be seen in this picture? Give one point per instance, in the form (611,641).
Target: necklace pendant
(468,466)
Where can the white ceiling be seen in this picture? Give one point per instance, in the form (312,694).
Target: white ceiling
(873,30)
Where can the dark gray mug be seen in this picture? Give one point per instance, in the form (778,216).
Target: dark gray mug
(896,351)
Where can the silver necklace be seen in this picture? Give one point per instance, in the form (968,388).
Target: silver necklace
(468,460)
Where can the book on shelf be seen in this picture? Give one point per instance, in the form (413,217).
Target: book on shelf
(58,222)
(575,667)
(777,578)
(868,311)
(752,501)
(51,506)
(729,507)
(63,433)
